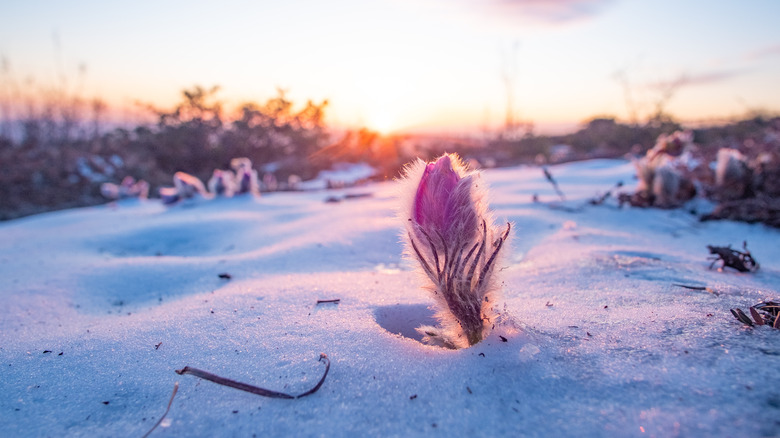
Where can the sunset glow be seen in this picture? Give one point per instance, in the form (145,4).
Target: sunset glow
(396,66)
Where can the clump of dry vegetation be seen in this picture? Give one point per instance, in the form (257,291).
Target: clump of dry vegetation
(736,166)
(59,149)
(764,313)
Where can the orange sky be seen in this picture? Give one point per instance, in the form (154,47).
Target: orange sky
(404,65)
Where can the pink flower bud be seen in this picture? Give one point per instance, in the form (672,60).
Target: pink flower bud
(451,235)
(432,205)
(246,178)
(222,183)
(443,203)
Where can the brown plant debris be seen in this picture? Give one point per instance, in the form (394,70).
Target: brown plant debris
(334,301)
(762,208)
(554,183)
(764,313)
(704,288)
(225,276)
(255,389)
(170,402)
(742,261)
(599,200)
(347,197)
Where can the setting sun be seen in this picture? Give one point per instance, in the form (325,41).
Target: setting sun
(382,122)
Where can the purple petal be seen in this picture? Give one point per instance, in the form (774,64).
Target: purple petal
(433,204)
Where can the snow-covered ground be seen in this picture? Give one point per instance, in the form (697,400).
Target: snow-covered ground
(101,305)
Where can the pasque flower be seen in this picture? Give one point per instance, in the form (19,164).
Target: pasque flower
(450,233)
(222,183)
(185,186)
(246,178)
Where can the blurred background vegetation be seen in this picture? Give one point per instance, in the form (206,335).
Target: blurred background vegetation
(62,149)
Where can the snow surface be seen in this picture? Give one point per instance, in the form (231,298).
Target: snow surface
(608,346)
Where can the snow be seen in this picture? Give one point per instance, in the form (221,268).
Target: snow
(344,174)
(124,294)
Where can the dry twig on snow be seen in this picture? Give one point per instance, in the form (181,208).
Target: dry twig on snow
(170,402)
(255,389)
